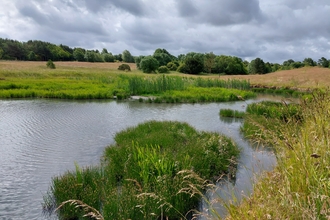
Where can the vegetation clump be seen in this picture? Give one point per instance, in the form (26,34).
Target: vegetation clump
(297,187)
(231,113)
(163,69)
(124,67)
(143,176)
(50,64)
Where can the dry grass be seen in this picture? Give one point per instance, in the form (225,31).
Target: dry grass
(30,65)
(304,78)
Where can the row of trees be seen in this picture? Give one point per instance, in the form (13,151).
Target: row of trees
(35,50)
(161,60)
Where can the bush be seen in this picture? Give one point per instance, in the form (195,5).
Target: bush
(149,64)
(50,64)
(172,66)
(124,67)
(163,69)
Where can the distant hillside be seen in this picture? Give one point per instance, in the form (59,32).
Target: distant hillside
(304,78)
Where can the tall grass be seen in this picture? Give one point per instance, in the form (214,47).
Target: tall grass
(299,186)
(228,84)
(141,176)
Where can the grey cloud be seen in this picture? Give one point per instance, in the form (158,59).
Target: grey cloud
(220,12)
(133,7)
(60,19)
(186,8)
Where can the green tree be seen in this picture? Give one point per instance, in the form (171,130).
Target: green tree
(108,57)
(257,66)
(193,63)
(79,54)
(309,62)
(118,57)
(1,53)
(32,56)
(90,56)
(149,64)
(138,60)
(323,62)
(127,57)
(209,62)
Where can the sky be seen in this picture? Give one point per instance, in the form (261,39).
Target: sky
(273,30)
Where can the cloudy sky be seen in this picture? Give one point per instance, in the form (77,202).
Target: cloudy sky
(274,30)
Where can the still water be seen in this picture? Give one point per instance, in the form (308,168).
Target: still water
(40,139)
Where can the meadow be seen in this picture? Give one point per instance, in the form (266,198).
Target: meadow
(75,80)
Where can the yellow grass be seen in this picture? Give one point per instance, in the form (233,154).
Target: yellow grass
(304,78)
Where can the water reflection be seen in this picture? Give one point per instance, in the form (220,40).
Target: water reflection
(41,139)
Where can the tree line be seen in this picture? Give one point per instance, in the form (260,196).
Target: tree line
(160,61)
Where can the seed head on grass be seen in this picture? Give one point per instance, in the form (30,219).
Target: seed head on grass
(90,211)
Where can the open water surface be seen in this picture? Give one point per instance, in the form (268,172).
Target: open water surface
(40,139)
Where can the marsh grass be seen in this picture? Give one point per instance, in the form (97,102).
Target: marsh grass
(299,187)
(231,113)
(140,177)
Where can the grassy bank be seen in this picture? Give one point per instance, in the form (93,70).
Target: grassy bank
(143,176)
(74,80)
(299,186)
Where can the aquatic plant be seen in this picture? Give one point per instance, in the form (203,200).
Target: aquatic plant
(231,113)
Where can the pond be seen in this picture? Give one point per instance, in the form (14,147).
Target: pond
(40,139)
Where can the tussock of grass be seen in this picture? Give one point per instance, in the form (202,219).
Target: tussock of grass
(231,113)
(141,176)
(299,186)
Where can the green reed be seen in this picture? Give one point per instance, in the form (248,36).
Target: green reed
(231,113)
(198,94)
(140,176)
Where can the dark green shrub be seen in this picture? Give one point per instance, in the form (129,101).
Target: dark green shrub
(124,67)
(149,64)
(50,64)
(172,66)
(163,69)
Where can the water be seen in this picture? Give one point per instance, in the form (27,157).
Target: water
(40,139)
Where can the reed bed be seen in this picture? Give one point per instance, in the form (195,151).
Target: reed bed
(199,94)
(231,113)
(141,177)
(299,187)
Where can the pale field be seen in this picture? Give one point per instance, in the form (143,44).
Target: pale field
(304,78)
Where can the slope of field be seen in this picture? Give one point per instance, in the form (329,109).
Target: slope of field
(304,78)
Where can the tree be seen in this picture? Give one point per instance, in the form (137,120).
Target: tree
(79,54)
(309,62)
(323,62)
(90,56)
(162,58)
(149,64)
(209,62)
(127,57)
(257,66)
(230,65)
(32,56)
(1,53)
(192,64)
(108,57)
(137,61)
(118,57)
